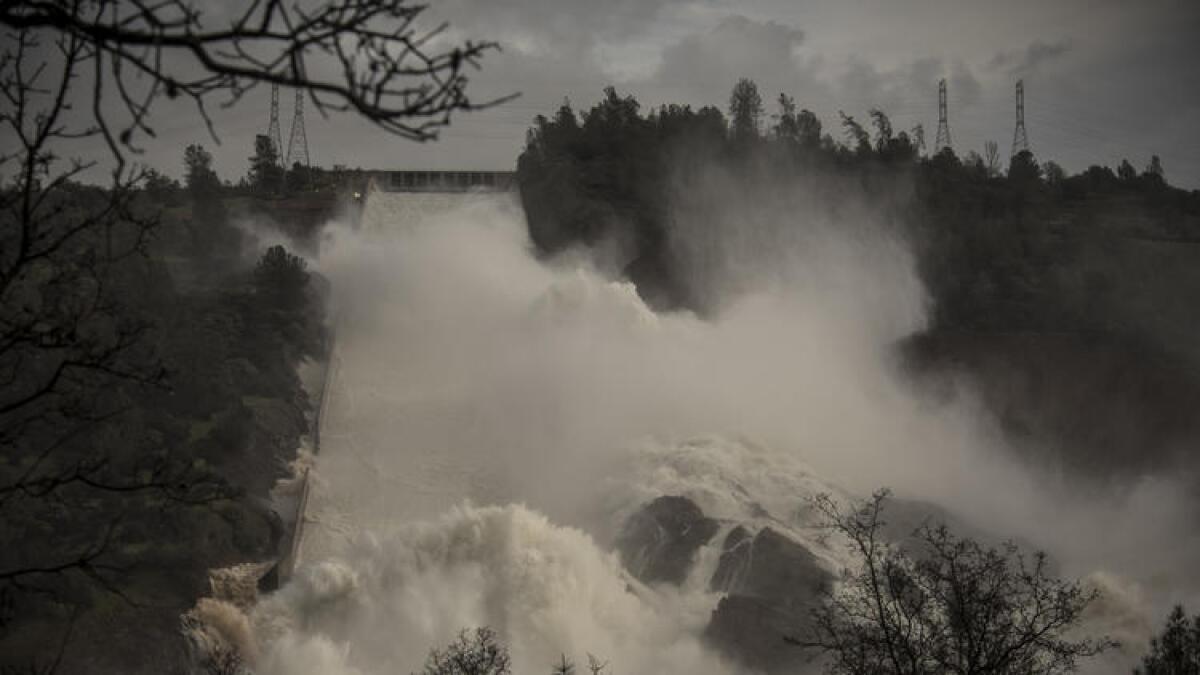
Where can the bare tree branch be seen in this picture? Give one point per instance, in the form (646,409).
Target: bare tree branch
(74,356)
(948,606)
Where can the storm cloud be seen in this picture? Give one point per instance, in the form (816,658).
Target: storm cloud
(1027,61)
(1106,80)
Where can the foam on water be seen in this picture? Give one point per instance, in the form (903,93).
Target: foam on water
(547,589)
(469,372)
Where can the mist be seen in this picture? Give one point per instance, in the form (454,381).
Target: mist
(496,417)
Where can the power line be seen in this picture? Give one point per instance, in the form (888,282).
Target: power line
(273,127)
(298,142)
(1020,138)
(943,131)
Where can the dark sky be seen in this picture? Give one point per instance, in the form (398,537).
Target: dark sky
(1104,79)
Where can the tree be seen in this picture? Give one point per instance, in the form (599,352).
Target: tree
(212,236)
(563,667)
(918,136)
(883,130)
(265,171)
(1055,175)
(856,134)
(1154,171)
(943,604)
(595,665)
(786,126)
(1175,651)
(991,158)
(1023,170)
(71,350)
(282,277)
(298,177)
(1126,172)
(198,175)
(975,163)
(889,145)
(809,129)
(745,110)
(159,187)
(473,653)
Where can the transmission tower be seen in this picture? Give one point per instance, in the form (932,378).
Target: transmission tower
(298,142)
(943,133)
(273,128)
(1020,139)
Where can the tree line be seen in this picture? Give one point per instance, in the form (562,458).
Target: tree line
(990,239)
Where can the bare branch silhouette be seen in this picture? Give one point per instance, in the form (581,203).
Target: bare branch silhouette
(74,354)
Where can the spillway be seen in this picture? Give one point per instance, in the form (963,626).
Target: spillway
(492,420)
(379,395)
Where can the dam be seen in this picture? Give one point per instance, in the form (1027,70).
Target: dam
(361,406)
(489,422)
(492,422)
(443,181)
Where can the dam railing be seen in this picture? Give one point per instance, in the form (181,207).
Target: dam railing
(444,181)
(283,568)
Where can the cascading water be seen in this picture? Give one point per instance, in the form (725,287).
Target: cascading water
(495,419)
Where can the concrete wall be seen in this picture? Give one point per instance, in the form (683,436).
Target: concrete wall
(444,181)
(289,545)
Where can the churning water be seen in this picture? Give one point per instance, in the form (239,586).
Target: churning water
(494,418)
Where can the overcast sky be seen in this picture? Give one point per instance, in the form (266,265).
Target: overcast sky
(1104,79)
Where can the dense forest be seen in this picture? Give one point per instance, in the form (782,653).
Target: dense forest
(991,239)
(176,407)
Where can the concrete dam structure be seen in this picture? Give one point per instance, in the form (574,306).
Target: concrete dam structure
(361,407)
(444,181)
(521,443)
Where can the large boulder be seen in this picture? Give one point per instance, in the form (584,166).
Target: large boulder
(659,542)
(772,583)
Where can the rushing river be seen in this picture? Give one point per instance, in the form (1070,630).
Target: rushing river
(493,419)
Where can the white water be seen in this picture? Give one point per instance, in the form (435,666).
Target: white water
(470,373)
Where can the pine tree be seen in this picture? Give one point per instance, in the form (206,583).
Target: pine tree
(1176,651)
(745,110)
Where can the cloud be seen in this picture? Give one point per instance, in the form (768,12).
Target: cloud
(701,66)
(907,89)
(546,27)
(1025,62)
(966,87)
(736,47)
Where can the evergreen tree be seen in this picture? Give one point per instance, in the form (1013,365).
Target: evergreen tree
(745,110)
(1126,172)
(211,234)
(265,171)
(1176,651)
(199,176)
(1154,172)
(787,127)
(1023,169)
(856,135)
(282,276)
(808,127)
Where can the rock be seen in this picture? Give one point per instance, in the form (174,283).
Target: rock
(772,584)
(732,564)
(659,542)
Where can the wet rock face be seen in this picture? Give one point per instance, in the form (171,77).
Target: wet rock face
(772,584)
(659,542)
(734,559)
